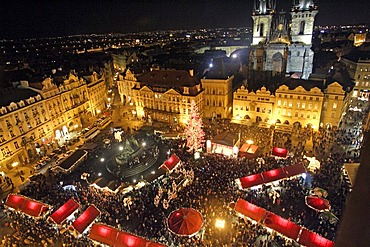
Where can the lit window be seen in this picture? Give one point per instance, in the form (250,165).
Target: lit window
(279,102)
(303,105)
(289,114)
(284,112)
(334,105)
(284,103)
(309,106)
(290,104)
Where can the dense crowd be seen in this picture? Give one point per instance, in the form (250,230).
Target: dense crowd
(210,192)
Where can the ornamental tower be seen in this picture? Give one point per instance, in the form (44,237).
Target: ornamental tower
(263,12)
(303,14)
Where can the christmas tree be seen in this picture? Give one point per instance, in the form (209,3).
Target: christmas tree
(194,131)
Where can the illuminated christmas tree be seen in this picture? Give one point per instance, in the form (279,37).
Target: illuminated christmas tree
(194,131)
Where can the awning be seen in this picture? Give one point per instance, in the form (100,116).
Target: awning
(317,203)
(226,139)
(281,225)
(294,170)
(64,211)
(273,175)
(250,210)
(280,152)
(125,239)
(185,222)
(15,201)
(250,181)
(111,236)
(311,239)
(26,205)
(270,176)
(86,218)
(170,163)
(34,208)
(248,150)
(72,161)
(103,234)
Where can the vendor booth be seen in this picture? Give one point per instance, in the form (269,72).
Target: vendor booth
(185,222)
(279,152)
(250,210)
(26,205)
(86,219)
(171,163)
(225,143)
(62,213)
(248,151)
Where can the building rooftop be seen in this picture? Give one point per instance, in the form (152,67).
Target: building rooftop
(355,56)
(293,83)
(170,78)
(10,94)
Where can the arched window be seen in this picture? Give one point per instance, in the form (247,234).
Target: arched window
(301,27)
(261,29)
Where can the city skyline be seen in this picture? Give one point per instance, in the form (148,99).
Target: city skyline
(28,19)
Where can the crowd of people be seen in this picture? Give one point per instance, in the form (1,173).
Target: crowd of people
(211,192)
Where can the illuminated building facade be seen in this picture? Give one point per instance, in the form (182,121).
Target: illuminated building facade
(217,97)
(166,95)
(358,67)
(125,84)
(294,103)
(38,114)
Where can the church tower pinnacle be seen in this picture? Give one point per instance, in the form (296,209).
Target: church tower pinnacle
(303,14)
(263,12)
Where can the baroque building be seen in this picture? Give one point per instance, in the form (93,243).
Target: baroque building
(34,115)
(282,41)
(295,103)
(218,85)
(164,95)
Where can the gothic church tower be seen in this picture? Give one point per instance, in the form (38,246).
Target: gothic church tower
(303,14)
(263,12)
(282,42)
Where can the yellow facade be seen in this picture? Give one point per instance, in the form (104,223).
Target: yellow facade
(217,97)
(168,106)
(359,72)
(30,124)
(97,94)
(288,108)
(125,85)
(333,105)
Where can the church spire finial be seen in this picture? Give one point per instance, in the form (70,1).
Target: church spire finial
(264,7)
(301,5)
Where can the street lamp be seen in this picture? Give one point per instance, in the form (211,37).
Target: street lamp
(220,224)
(144,144)
(102,159)
(120,148)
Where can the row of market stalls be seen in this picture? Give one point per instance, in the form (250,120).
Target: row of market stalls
(98,232)
(228,144)
(283,226)
(271,176)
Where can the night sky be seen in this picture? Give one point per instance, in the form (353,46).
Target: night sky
(28,19)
